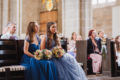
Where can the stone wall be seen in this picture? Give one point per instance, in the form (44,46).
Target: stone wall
(102,18)
(0,16)
(30,12)
(70,17)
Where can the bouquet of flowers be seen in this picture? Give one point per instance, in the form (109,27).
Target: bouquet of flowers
(38,54)
(47,54)
(43,54)
(58,52)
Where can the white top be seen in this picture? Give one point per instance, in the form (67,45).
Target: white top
(9,36)
(72,45)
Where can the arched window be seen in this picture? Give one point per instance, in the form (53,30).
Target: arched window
(102,3)
(94,2)
(111,0)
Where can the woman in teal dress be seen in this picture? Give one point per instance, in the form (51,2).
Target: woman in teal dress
(36,69)
(67,66)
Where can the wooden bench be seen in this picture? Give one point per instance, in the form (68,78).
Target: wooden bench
(10,55)
(81,57)
(109,66)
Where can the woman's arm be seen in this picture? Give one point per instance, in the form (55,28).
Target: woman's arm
(26,46)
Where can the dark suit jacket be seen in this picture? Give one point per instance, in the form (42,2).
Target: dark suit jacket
(99,43)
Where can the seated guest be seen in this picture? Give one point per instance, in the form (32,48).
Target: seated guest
(67,67)
(94,52)
(10,34)
(117,47)
(72,45)
(99,39)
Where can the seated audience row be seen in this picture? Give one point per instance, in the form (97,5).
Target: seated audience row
(94,51)
(72,44)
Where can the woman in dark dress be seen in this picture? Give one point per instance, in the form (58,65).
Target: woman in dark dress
(94,52)
(36,69)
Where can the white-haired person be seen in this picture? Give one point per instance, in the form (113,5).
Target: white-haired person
(10,34)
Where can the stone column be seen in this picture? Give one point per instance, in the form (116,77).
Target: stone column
(85,17)
(60,16)
(13,13)
(0,16)
(16,15)
(5,12)
(70,17)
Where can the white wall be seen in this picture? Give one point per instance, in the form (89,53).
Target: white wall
(70,17)
(0,16)
(5,13)
(115,21)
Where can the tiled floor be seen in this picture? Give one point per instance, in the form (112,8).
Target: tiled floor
(100,77)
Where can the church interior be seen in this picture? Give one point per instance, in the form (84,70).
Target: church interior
(84,17)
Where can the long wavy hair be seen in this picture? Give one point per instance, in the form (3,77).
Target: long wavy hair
(30,31)
(72,35)
(117,43)
(49,34)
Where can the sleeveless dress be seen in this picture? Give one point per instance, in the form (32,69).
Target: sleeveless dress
(72,48)
(67,67)
(38,69)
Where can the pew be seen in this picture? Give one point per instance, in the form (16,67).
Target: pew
(109,65)
(81,50)
(20,49)
(10,51)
